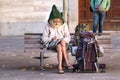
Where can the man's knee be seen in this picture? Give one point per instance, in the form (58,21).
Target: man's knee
(63,44)
(59,47)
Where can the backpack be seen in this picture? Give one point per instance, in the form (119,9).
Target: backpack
(78,29)
(86,56)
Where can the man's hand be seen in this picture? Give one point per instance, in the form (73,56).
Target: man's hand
(54,38)
(105,10)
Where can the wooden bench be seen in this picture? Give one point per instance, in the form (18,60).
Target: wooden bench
(33,42)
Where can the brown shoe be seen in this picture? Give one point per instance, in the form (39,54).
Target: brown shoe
(61,72)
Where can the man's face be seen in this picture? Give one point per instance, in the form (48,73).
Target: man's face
(56,23)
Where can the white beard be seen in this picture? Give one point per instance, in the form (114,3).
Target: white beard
(55,25)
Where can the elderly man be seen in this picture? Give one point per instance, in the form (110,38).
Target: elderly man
(57,29)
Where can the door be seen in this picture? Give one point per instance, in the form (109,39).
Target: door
(112,20)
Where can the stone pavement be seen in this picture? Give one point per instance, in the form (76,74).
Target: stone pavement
(17,65)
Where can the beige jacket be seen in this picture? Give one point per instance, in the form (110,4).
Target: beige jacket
(61,32)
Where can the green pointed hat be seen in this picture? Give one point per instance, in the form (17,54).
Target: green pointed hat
(55,14)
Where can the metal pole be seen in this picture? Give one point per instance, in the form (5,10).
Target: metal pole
(41,61)
(65,10)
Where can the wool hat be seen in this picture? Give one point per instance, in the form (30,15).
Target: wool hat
(55,14)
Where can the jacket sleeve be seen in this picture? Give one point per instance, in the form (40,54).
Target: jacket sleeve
(108,5)
(92,4)
(66,34)
(46,33)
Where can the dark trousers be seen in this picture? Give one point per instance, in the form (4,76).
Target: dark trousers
(98,20)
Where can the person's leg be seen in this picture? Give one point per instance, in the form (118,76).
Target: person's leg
(63,44)
(63,59)
(59,56)
(101,21)
(95,21)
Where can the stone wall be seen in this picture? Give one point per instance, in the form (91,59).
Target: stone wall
(20,16)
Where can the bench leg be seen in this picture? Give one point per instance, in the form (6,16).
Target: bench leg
(41,60)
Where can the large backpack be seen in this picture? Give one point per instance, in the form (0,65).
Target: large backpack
(86,56)
(87,50)
(78,29)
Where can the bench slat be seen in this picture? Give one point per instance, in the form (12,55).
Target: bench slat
(33,34)
(32,47)
(32,37)
(27,45)
(32,42)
